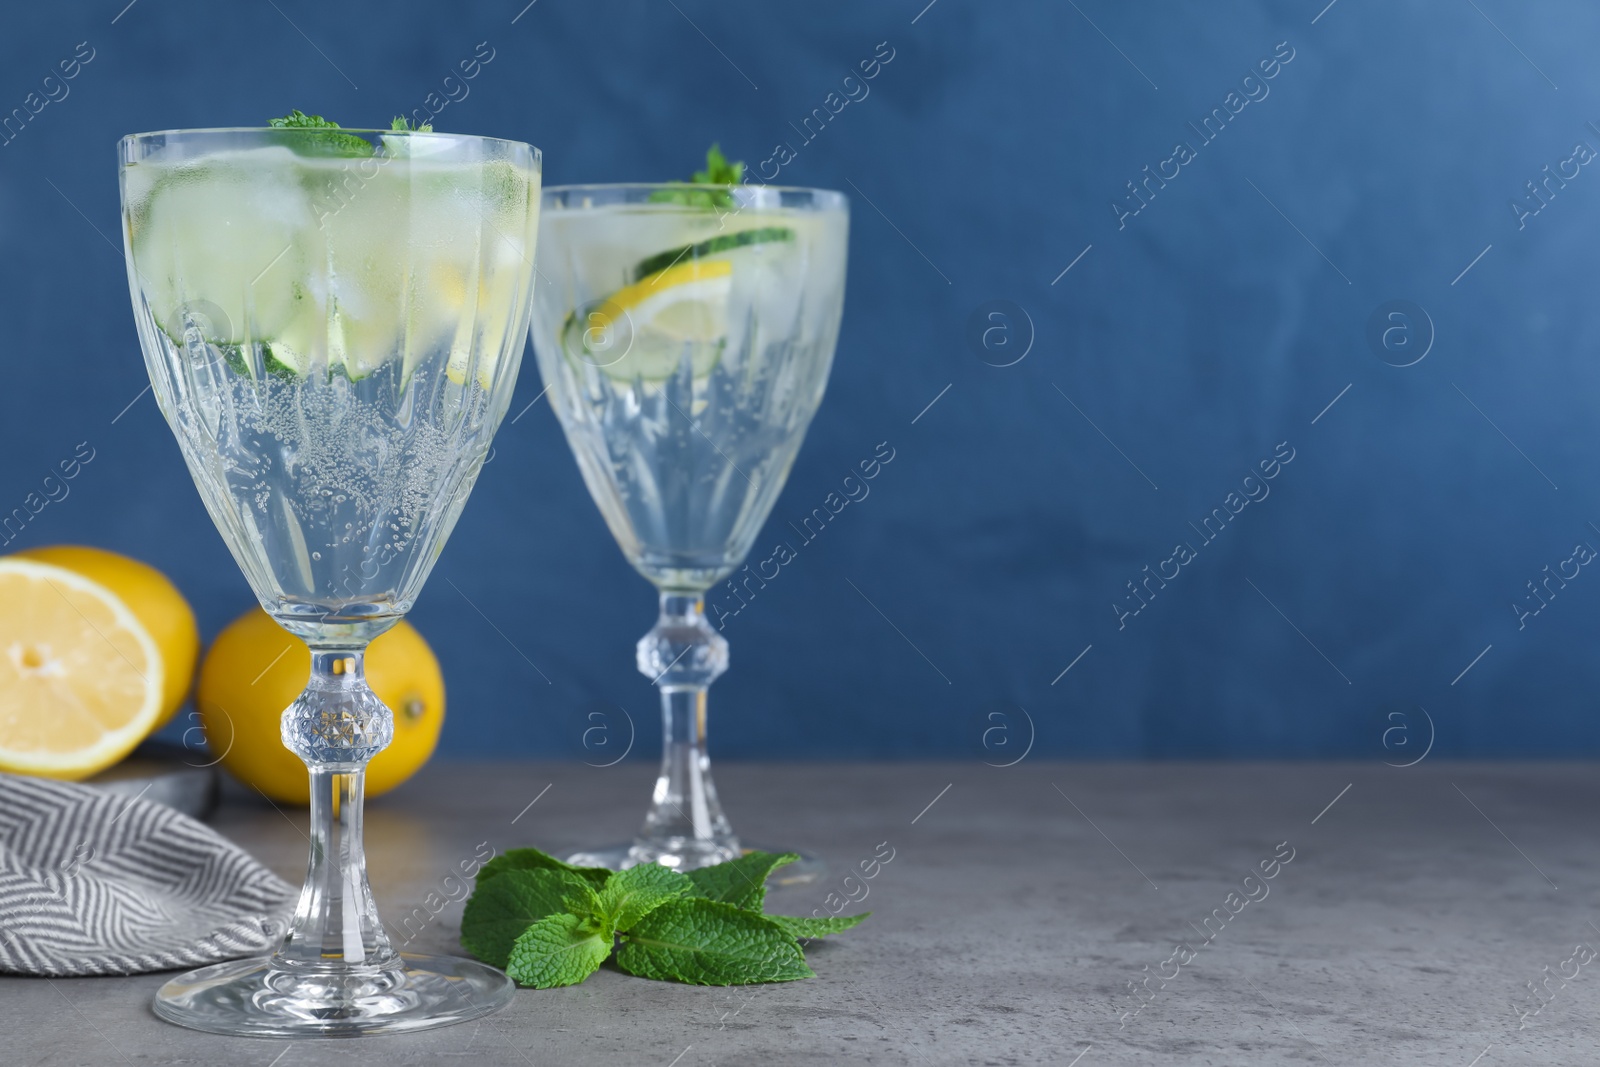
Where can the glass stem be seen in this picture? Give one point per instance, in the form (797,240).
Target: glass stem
(685,768)
(336,726)
(683,655)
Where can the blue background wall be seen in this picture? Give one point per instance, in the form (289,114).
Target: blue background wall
(1181,348)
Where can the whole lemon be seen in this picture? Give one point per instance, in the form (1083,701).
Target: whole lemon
(154,601)
(255,669)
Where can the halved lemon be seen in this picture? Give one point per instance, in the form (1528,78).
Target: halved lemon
(152,598)
(648,329)
(81,678)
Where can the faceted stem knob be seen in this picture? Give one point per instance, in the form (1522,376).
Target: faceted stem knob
(683,651)
(337,720)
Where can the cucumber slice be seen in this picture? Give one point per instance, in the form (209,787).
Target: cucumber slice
(233,356)
(225,240)
(723,242)
(283,361)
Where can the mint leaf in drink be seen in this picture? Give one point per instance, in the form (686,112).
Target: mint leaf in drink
(559,950)
(718,172)
(502,908)
(809,929)
(709,942)
(325,141)
(299,120)
(632,894)
(741,882)
(531,859)
(396,145)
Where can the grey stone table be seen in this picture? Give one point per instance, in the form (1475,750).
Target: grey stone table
(1407,914)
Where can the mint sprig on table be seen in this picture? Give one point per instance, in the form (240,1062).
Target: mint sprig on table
(551,924)
(329,140)
(718,172)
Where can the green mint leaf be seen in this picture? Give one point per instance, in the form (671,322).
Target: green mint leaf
(500,909)
(808,929)
(559,950)
(708,942)
(689,196)
(326,141)
(400,147)
(298,119)
(718,172)
(531,859)
(741,882)
(632,894)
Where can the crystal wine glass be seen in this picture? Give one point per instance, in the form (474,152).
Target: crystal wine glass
(332,322)
(685,334)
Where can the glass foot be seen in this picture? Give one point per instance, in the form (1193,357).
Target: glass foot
(803,871)
(254,998)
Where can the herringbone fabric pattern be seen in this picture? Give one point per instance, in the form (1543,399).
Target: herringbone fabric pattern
(94,883)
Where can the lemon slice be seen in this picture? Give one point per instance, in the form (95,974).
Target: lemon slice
(81,678)
(459,366)
(479,335)
(647,330)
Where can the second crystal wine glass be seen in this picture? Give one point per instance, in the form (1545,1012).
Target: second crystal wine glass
(332,322)
(685,335)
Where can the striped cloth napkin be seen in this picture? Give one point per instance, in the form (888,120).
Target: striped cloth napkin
(95,883)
